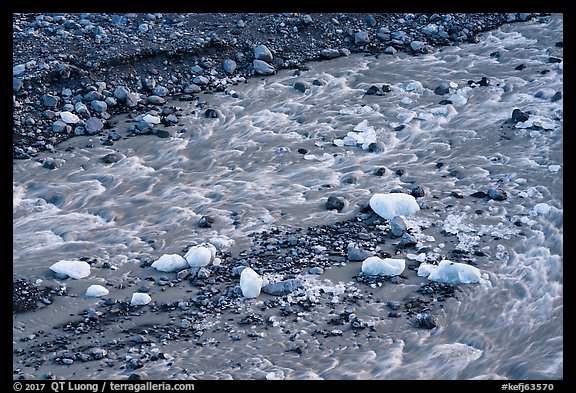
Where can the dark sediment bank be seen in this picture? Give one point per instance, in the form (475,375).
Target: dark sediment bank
(92,66)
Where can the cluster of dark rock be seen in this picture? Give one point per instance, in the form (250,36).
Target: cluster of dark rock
(72,72)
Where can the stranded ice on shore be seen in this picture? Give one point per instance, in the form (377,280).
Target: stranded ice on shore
(96,291)
(73,269)
(450,272)
(250,283)
(374,266)
(391,205)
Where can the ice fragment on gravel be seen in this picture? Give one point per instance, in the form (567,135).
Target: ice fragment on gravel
(198,256)
(250,283)
(73,269)
(140,299)
(395,204)
(374,266)
(170,263)
(96,291)
(450,272)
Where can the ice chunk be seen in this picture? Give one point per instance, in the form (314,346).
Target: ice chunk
(454,273)
(374,266)
(250,283)
(73,269)
(140,299)
(221,242)
(96,291)
(151,119)
(69,117)
(198,256)
(542,208)
(395,204)
(170,263)
(425,269)
(414,86)
(405,117)
(363,126)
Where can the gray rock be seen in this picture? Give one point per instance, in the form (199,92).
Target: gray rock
(156,100)
(183,274)
(93,125)
(160,91)
(351,178)
(377,147)
(523,16)
(443,88)
(306,19)
(418,46)
(417,192)
(316,270)
(50,100)
(263,68)
(192,89)
(17,70)
(519,116)
(383,35)
(59,126)
(132,99)
(344,52)
(335,203)
(92,95)
(99,106)
(197,69)
(430,29)
(81,108)
(120,93)
(203,273)
(497,194)
(301,86)
(390,50)
(16,84)
(68,108)
(370,20)
(110,101)
(111,159)
(261,52)
(426,320)
(229,66)
(397,226)
(408,240)
(237,270)
(282,288)
(361,38)
(98,353)
(329,53)
(200,80)
(356,254)
(148,83)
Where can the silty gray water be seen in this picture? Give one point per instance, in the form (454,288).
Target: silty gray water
(244,169)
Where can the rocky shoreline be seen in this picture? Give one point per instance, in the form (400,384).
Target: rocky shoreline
(72,72)
(116,334)
(67,83)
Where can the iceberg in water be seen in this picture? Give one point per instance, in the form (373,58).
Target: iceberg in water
(391,205)
(450,272)
(374,266)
